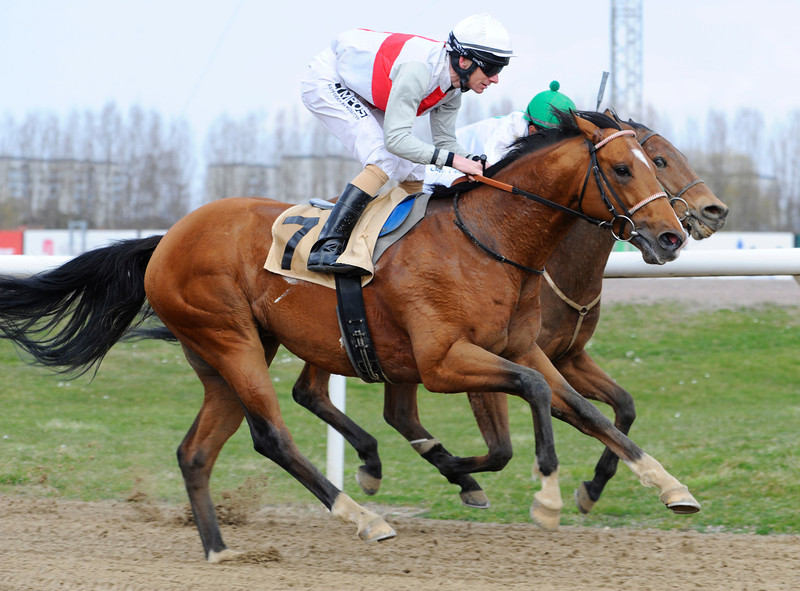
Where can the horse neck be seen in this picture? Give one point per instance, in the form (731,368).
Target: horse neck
(521,229)
(577,263)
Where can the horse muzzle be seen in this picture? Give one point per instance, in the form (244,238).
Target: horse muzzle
(660,249)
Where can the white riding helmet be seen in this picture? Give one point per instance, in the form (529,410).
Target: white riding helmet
(482,39)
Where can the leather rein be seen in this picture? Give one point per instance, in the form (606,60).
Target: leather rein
(600,179)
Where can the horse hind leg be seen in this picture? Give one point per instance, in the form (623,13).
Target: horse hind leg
(400,410)
(248,374)
(311,392)
(273,440)
(218,419)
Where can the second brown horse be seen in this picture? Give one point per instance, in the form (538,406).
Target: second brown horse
(570,303)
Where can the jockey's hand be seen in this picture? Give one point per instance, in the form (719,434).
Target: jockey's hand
(467,166)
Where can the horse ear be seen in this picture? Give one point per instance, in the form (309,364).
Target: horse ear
(613,114)
(589,129)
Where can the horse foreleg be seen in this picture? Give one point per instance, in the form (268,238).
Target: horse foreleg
(593,383)
(467,367)
(491,413)
(311,391)
(400,410)
(573,408)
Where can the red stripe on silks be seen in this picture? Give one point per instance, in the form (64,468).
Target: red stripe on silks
(384,60)
(431,100)
(382,84)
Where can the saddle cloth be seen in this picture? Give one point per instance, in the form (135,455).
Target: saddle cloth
(297,229)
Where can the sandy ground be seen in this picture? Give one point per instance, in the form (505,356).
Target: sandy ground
(705,293)
(48,544)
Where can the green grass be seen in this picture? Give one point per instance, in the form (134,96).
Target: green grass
(718,402)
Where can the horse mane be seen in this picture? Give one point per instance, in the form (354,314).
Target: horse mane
(541,138)
(635,124)
(638,126)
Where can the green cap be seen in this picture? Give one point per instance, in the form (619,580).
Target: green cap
(539,109)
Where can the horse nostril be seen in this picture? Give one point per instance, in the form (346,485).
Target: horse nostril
(714,211)
(670,241)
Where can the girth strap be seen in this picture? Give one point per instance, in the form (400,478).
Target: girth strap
(355,332)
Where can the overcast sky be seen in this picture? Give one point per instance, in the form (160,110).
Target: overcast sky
(203,58)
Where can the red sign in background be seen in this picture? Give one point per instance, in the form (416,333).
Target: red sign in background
(10,241)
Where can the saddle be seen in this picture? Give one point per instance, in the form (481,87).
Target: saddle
(384,222)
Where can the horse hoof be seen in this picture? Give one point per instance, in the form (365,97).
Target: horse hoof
(376,530)
(368,483)
(476,499)
(583,500)
(680,501)
(222,556)
(545,517)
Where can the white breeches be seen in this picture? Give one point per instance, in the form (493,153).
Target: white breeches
(351,120)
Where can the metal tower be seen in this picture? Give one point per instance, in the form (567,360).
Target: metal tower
(626,58)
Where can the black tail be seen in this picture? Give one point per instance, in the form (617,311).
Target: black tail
(154,330)
(68,318)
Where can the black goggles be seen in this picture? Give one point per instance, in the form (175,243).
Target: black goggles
(489,69)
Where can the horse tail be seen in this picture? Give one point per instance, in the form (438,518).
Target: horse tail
(157,332)
(69,317)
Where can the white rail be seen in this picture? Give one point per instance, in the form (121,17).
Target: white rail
(691,263)
(21,264)
(709,263)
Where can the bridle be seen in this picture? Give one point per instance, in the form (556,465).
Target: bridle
(678,197)
(602,182)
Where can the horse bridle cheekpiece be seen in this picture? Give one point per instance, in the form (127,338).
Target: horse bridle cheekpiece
(600,177)
(602,181)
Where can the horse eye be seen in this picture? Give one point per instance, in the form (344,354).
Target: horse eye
(622,170)
(660,162)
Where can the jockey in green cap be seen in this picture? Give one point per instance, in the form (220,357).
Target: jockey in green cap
(540,109)
(493,136)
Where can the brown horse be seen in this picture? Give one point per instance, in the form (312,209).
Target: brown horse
(570,302)
(440,313)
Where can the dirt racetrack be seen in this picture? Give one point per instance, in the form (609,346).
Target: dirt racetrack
(51,544)
(54,544)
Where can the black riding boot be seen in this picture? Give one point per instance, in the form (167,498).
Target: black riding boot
(336,231)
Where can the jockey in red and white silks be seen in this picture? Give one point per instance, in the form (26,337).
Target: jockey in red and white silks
(350,85)
(369,87)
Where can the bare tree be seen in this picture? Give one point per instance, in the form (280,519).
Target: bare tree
(785,151)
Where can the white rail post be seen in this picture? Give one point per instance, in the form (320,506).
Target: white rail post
(335,470)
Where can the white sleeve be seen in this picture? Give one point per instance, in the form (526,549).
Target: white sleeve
(494,136)
(409,86)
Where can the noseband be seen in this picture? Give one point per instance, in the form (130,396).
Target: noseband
(600,179)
